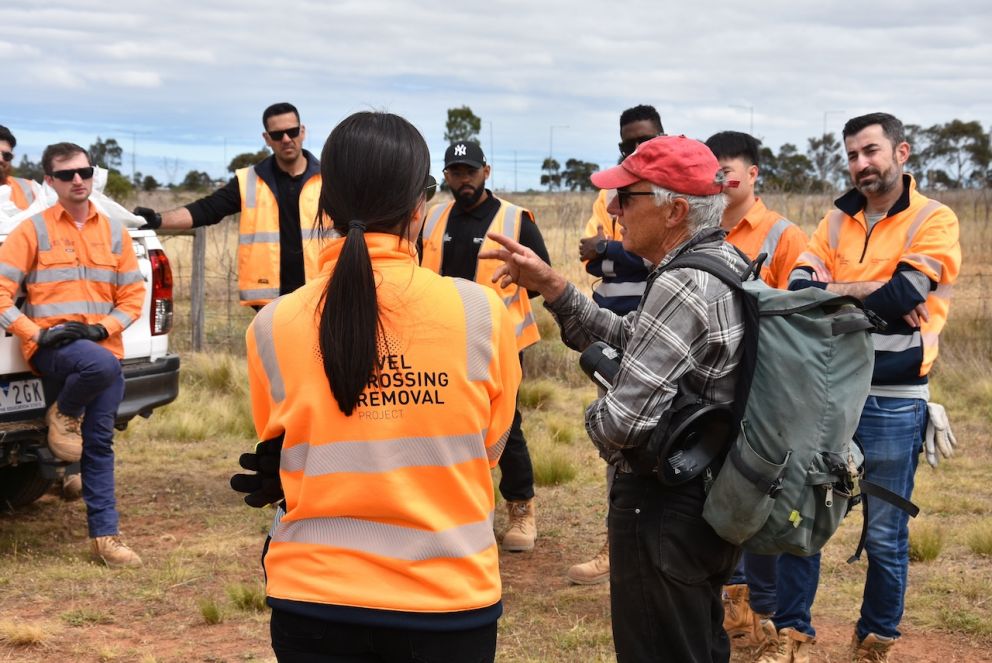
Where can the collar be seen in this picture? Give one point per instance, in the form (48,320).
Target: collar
(266,169)
(704,236)
(62,213)
(484,211)
(854,201)
(382,247)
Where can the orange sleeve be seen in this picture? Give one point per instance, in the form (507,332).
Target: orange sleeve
(129,297)
(935,250)
(817,254)
(505,374)
(790,245)
(17,256)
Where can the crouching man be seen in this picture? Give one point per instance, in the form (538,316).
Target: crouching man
(82,289)
(667,565)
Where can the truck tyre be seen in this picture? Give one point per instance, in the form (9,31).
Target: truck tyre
(22,484)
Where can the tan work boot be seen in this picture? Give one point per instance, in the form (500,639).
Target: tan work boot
(65,437)
(113,552)
(72,487)
(522,532)
(873,649)
(737,616)
(789,646)
(593,572)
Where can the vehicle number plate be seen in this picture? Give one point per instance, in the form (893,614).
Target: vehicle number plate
(18,395)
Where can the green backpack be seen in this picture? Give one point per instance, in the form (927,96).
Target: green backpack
(794,469)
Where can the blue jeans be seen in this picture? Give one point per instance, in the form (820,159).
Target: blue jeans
(92,385)
(758,572)
(891,431)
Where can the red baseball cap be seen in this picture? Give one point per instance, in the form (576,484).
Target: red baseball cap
(676,163)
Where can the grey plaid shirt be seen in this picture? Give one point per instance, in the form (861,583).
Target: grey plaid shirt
(684,339)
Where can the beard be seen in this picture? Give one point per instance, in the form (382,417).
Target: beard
(883,182)
(469,195)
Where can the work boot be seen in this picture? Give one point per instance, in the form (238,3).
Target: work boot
(593,572)
(113,552)
(873,649)
(738,619)
(522,532)
(65,437)
(72,487)
(789,646)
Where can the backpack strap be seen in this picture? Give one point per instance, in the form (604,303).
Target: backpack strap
(886,495)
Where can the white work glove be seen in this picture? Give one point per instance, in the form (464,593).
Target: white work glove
(938,436)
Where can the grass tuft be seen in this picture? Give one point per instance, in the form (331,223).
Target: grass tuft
(926,540)
(210,612)
(21,635)
(247,598)
(980,539)
(85,616)
(553,468)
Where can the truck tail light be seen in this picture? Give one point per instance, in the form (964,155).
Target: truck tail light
(161,319)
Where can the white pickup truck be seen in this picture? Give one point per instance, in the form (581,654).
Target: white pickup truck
(151,374)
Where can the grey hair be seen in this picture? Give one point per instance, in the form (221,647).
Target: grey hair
(704,211)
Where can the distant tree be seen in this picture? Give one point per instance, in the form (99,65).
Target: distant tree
(794,169)
(919,153)
(196,180)
(118,186)
(149,183)
(246,159)
(577,174)
(961,146)
(552,174)
(768,176)
(29,169)
(827,162)
(106,153)
(462,125)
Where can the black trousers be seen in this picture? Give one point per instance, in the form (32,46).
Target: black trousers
(516,483)
(667,570)
(298,639)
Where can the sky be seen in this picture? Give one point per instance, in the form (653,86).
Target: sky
(182,85)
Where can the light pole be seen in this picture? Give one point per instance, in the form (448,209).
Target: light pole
(750,110)
(825,114)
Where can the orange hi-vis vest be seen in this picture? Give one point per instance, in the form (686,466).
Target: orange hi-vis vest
(506,221)
(21,193)
(89,275)
(258,240)
(765,231)
(389,511)
(923,236)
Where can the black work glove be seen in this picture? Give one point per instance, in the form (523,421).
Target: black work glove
(153,220)
(264,486)
(95,333)
(57,336)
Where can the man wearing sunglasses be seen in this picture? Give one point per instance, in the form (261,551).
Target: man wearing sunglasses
(277,198)
(82,288)
(450,242)
(22,191)
(622,276)
(682,345)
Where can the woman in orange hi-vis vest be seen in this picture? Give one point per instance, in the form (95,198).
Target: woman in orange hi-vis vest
(393,390)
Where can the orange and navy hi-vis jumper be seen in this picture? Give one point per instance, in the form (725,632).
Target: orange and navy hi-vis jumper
(21,193)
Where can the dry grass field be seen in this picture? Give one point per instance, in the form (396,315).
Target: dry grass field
(199,596)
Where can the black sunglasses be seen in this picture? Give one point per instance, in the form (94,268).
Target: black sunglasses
(430,188)
(279,133)
(623,194)
(627,147)
(7,156)
(70,174)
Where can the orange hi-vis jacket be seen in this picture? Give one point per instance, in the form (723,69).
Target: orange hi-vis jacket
(389,511)
(258,240)
(765,231)
(506,221)
(21,193)
(915,250)
(89,275)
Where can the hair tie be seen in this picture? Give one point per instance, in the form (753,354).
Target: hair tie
(356,225)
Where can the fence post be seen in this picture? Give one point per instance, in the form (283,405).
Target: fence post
(197,289)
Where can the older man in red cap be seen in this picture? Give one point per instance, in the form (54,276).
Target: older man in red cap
(682,345)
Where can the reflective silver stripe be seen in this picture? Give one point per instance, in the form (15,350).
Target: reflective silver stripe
(122,317)
(607,267)
(620,288)
(834,221)
(930,339)
(251,183)
(478,329)
(382,455)
(267,294)
(13,273)
(56,274)
(525,323)
(770,245)
(944,291)
(820,271)
(921,216)
(393,541)
(266,346)
(432,218)
(66,308)
(41,230)
(510,212)
(116,236)
(931,262)
(127,278)
(494,452)
(259,238)
(25,188)
(896,342)
(276,519)
(10,316)
(512,299)
(919,281)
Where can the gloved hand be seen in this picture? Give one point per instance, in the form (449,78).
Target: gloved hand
(57,336)
(153,220)
(938,436)
(264,486)
(95,333)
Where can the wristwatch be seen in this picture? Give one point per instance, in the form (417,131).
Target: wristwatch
(601,246)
